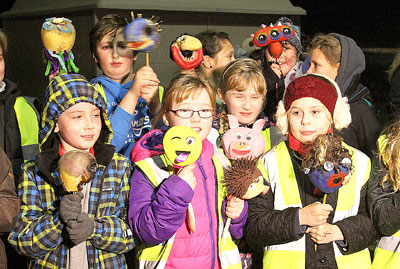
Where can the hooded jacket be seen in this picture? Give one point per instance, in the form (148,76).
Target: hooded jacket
(157,213)
(364,128)
(39,232)
(128,128)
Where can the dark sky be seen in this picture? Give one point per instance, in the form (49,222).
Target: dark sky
(371,23)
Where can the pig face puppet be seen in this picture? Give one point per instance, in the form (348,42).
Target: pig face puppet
(243,142)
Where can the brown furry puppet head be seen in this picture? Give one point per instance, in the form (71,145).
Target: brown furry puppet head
(244,180)
(327,163)
(325,148)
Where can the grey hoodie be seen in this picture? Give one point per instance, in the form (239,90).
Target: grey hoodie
(352,62)
(364,128)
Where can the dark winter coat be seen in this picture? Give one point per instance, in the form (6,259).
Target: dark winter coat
(9,203)
(283,226)
(364,128)
(384,204)
(12,137)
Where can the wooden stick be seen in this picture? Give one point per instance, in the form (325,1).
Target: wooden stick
(325,195)
(147,59)
(225,232)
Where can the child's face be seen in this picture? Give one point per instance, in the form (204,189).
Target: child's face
(115,60)
(244,105)
(200,125)
(319,64)
(308,118)
(79,127)
(288,59)
(224,56)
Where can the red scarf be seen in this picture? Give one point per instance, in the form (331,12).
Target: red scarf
(296,145)
(61,153)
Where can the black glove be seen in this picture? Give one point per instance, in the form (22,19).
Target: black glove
(70,206)
(81,229)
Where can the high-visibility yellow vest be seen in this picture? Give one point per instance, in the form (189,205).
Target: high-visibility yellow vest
(28,123)
(157,256)
(387,253)
(276,166)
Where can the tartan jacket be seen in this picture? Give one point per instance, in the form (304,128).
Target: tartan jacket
(39,232)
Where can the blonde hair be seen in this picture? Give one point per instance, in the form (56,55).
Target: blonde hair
(181,88)
(389,154)
(330,47)
(241,74)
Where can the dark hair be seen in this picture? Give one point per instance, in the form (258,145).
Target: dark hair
(211,42)
(3,42)
(108,24)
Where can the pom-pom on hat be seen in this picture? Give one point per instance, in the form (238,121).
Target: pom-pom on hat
(295,40)
(321,88)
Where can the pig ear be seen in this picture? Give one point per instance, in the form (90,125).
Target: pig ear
(258,125)
(233,122)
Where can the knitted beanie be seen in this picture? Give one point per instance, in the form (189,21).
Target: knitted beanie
(295,40)
(314,87)
(321,88)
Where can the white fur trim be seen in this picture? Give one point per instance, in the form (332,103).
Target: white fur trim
(281,117)
(341,114)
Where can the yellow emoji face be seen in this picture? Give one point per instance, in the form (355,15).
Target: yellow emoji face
(182,145)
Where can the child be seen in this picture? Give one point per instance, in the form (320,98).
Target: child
(129,96)
(86,230)
(290,219)
(19,123)
(289,66)
(341,59)
(242,90)
(218,53)
(157,211)
(383,199)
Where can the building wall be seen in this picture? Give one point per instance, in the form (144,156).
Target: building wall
(24,60)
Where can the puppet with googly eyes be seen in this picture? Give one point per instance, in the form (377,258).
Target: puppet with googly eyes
(327,163)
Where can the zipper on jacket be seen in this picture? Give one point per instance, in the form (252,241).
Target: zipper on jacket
(209,211)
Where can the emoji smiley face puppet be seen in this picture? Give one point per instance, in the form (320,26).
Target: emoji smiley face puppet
(182,145)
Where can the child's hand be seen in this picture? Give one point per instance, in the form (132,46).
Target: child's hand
(145,83)
(277,69)
(325,233)
(315,214)
(234,207)
(70,206)
(186,173)
(81,229)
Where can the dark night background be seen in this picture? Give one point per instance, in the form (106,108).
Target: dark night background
(374,25)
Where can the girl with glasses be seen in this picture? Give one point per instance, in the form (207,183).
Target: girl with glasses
(157,212)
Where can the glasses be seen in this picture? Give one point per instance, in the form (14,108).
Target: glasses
(188,113)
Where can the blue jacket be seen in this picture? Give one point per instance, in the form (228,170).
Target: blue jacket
(128,128)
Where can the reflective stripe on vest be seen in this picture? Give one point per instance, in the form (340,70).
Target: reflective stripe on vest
(28,124)
(387,253)
(276,166)
(157,256)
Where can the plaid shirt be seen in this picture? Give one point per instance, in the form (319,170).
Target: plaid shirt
(39,233)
